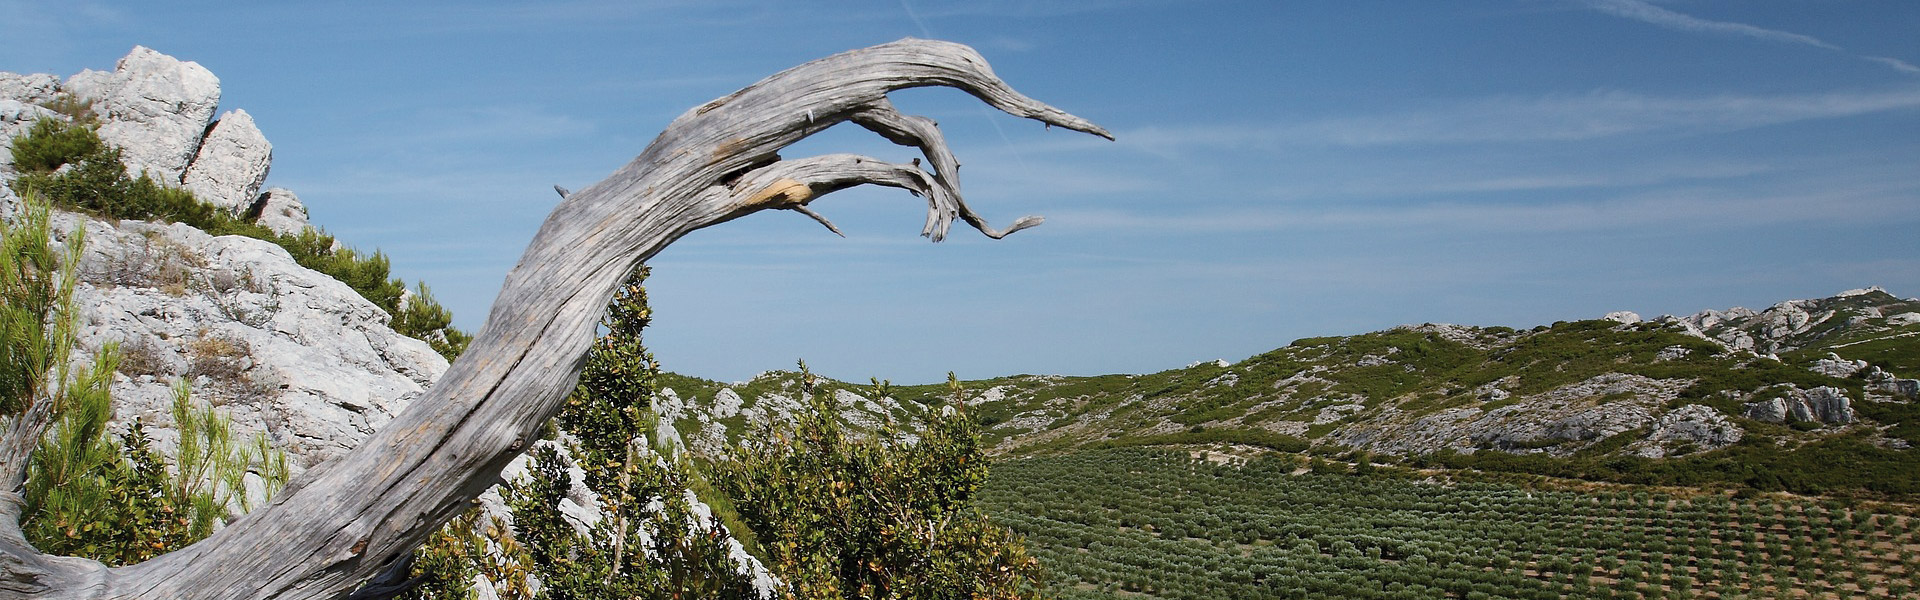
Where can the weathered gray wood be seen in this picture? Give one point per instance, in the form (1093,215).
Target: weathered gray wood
(342,522)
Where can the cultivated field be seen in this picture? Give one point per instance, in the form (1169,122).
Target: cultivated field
(1146,523)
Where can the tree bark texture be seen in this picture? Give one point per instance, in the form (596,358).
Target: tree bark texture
(344,521)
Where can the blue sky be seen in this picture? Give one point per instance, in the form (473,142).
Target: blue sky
(1283,169)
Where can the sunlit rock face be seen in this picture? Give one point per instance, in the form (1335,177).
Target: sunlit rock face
(231,164)
(154,107)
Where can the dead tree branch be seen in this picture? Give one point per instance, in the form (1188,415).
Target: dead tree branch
(346,520)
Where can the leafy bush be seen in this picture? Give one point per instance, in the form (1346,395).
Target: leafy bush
(844,516)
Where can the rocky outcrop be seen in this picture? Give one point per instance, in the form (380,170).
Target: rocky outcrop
(1771,410)
(154,107)
(281,211)
(1709,325)
(279,348)
(1624,317)
(1834,366)
(1828,405)
(1694,428)
(1556,422)
(1901,390)
(31,88)
(1797,324)
(231,164)
(158,111)
(1824,404)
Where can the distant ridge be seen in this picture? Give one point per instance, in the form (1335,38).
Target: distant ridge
(1800,373)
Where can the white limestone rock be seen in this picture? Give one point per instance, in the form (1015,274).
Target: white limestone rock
(1834,366)
(281,211)
(1556,422)
(1625,317)
(1672,353)
(1470,336)
(1903,390)
(1824,404)
(581,509)
(1694,425)
(1829,404)
(726,403)
(992,394)
(711,440)
(1771,410)
(9,203)
(1336,412)
(231,164)
(30,88)
(774,408)
(668,436)
(154,107)
(281,349)
(1374,360)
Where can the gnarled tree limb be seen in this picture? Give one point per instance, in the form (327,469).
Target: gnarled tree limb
(344,521)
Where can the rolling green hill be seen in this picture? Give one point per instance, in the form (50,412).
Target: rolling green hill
(1738,397)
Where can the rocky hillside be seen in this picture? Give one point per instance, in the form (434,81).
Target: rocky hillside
(282,349)
(1796,373)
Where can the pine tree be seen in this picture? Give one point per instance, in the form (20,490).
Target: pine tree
(87,493)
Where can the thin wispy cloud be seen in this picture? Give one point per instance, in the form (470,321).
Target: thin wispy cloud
(1441,178)
(1684,209)
(1639,10)
(1603,114)
(1642,11)
(1897,64)
(1541,119)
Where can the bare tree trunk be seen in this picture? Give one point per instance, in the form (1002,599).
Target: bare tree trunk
(342,522)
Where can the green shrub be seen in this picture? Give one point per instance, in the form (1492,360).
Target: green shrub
(848,516)
(51,143)
(85,493)
(651,542)
(423,317)
(117,502)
